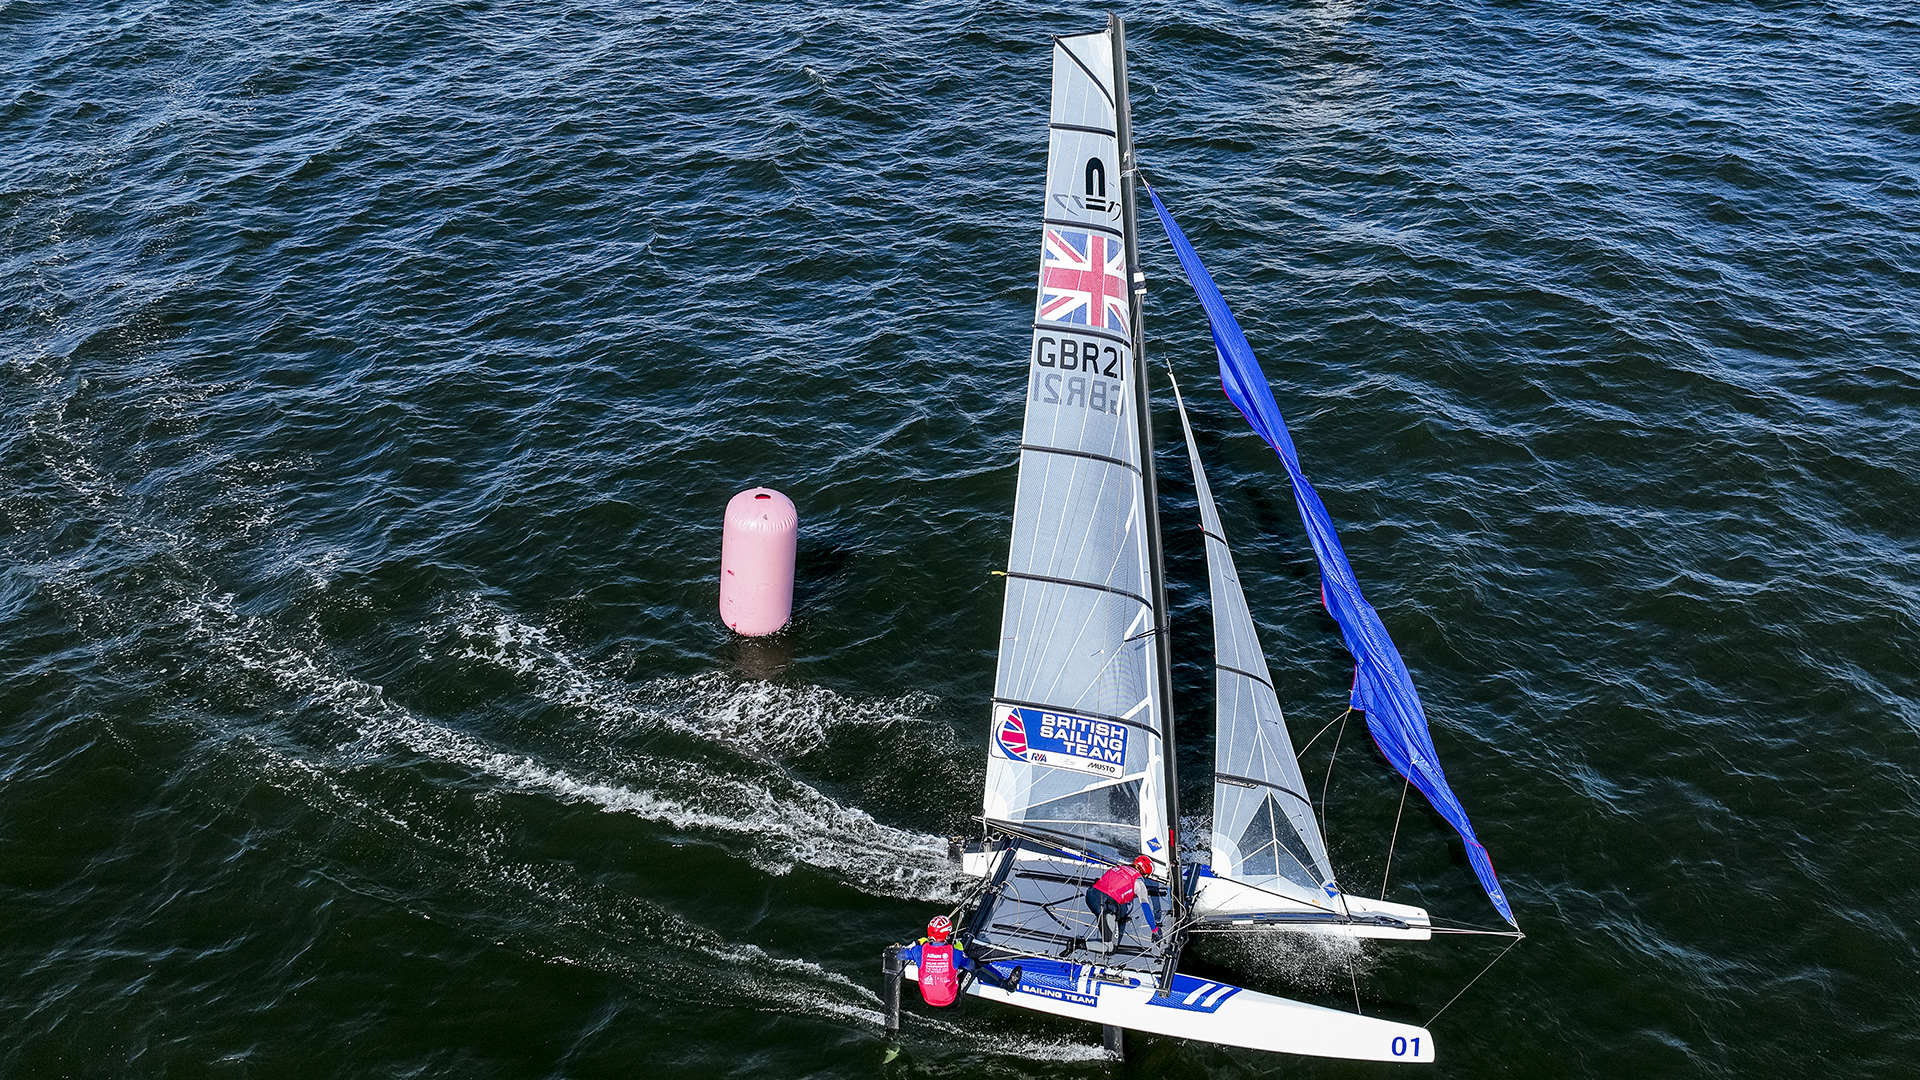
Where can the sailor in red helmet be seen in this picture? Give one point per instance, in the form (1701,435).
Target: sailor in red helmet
(939,962)
(1111,900)
(941,959)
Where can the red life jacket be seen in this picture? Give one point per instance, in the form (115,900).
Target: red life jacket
(1118,883)
(939,983)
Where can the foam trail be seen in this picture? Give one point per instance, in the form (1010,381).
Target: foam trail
(760,719)
(583,923)
(558,915)
(587,925)
(782,820)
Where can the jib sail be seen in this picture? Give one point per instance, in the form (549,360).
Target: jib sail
(1265,833)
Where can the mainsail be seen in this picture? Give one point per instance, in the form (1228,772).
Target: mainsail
(1078,749)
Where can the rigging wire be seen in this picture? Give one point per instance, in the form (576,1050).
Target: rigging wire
(1323,731)
(1324,785)
(1395,840)
(1327,781)
(1473,980)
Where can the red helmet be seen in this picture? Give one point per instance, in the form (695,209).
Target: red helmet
(1144,865)
(939,929)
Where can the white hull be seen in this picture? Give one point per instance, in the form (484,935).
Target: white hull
(1225,904)
(1206,1011)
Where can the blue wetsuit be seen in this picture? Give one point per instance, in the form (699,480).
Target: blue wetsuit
(961,962)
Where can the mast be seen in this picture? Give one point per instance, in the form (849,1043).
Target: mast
(1163,648)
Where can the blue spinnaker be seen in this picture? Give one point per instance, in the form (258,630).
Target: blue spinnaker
(1381,686)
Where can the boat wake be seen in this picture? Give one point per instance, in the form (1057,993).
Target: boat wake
(756,811)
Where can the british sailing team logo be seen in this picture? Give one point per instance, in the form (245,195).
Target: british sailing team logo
(1013,736)
(1062,741)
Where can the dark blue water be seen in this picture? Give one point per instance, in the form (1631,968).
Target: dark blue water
(374,376)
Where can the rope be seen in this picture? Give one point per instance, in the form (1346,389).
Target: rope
(1480,929)
(969,897)
(1471,981)
(1328,781)
(1356,985)
(1323,731)
(1395,840)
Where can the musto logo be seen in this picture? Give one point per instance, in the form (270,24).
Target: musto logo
(1062,740)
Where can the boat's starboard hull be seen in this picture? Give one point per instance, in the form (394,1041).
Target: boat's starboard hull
(1223,904)
(1203,1010)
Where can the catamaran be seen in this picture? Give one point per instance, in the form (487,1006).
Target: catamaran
(1080,770)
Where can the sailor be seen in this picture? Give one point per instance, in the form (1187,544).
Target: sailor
(1111,900)
(939,962)
(945,967)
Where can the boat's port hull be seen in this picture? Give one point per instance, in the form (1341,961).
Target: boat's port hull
(1204,1010)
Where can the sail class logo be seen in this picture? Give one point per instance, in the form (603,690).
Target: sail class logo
(1063,741)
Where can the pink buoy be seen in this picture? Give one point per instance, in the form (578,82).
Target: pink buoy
(756,561)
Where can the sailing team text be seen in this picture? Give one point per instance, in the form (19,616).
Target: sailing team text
(1081,737)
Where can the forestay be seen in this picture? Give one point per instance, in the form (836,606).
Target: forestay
(1076,751)
(1264,830)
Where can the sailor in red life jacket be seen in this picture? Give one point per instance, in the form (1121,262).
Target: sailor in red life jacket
(1111,900)
(939,962)
(941,959)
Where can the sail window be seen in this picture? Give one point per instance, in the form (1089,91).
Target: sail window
(1269,847)
(1108,815)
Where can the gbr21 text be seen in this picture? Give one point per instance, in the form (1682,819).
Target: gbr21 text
(1078,372)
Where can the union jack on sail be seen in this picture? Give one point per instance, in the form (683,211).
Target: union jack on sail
(1083,279)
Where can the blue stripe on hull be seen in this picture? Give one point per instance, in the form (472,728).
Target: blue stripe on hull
(1060,980)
